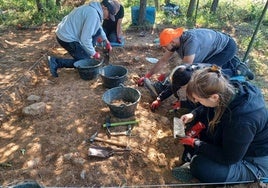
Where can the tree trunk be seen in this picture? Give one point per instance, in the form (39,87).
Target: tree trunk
(191,8)
(58,3)
(39,6)
(214,6)
(157,5)
(167,1)
(47,3)
(142,12)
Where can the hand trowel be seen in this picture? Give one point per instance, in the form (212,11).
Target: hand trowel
(104,152)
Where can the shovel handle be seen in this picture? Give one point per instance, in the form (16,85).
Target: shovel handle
(110,142)
(121,123)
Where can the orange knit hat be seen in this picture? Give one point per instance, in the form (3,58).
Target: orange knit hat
(168,34)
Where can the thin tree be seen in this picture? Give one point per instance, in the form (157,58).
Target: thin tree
(156,4)
(58,2)
(191,8)
(214,6)
(39,5)
(142,12)
(167,1)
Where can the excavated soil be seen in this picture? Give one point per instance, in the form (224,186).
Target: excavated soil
(52,147)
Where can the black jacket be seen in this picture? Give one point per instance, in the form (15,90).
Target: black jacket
(243,129)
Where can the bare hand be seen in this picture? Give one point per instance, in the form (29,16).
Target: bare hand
(186,118)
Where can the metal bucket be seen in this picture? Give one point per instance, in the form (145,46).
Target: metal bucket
(113,75)
(88,69)
(122,101)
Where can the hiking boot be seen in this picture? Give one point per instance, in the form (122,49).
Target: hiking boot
(186,156)
(183,173)
(53,66)
(154,88)
(243,70)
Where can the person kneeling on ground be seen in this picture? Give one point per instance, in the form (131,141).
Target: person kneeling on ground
(113,29)
(78,31)
(235,147)
(194,46)
(176,85)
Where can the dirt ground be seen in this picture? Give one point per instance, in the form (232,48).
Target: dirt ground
(51,148)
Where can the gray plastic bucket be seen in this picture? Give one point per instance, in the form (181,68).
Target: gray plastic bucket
(113,75)
(88,69)
(129,97)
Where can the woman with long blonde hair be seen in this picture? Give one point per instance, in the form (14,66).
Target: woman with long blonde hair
(235,145)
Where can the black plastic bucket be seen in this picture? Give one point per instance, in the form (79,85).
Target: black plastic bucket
(88,69)
(113,75)
(122,101)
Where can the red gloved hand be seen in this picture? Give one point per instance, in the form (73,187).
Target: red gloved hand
(176,105)
(119,40)
(161,78)
(99,40)
(195,130)
(141,80)
(108,46)
(155,104)
(96,55)
(188,141)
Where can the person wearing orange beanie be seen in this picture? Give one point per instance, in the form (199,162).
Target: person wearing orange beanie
(200,46)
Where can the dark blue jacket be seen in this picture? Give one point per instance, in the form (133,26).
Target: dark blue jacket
(243,129)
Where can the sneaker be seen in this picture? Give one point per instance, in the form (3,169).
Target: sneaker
(188,153)
(183,173)
(186,156)
(53,66)
(154,88)
(243,70)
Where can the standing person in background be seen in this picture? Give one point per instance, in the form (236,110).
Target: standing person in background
(78,31)
(113,29)
(200,46)
(235,146)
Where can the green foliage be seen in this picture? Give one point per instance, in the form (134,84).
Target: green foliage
(227,12)
(25,13)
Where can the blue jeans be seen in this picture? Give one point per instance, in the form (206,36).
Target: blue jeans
(112,37)
(248,169)
(225,59)
(76,50)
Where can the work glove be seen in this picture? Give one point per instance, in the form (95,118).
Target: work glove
(189,141)
(141,80)
(96,55)
(119,40)
(155,104)
(161,78)
(195,130)
(108,46)
(99,40)
(176,105)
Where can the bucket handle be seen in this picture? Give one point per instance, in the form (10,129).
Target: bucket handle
(102,61)
(122,85)
(110,65)
(122,105)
